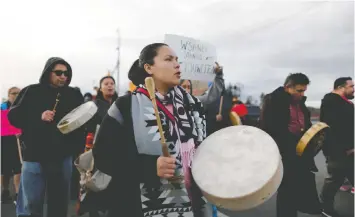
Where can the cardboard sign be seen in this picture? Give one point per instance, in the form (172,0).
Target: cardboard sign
(197,59)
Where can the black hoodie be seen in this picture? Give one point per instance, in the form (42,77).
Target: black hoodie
(212,110)
(42,140)
(339,115)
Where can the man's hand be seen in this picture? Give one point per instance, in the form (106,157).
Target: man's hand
(166,167)
(48,116)
(219,117)
(349,152)
(218,69)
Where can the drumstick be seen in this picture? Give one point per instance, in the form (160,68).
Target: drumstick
(56,102)
(19,148)
(220,106)
(149,83)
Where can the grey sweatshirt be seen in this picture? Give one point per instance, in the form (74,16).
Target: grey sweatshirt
(214,92)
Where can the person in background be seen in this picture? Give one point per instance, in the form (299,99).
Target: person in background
(214,120)
(240,108)
(106,95)
(338,112)
(47,159)
(88,97)
(215,89)
(10,159)
(74,187)
(94,203)
(286,118)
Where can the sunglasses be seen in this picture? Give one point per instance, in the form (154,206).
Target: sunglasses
(59,73)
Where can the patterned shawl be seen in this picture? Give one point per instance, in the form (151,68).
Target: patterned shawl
(184,128)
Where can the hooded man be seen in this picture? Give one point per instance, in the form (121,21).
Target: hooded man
(47,153)
(338,112)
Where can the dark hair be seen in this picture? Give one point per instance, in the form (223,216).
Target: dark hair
(182,81)
(99,92)
(296,79)
(87,97)
(137,73)
(341,82)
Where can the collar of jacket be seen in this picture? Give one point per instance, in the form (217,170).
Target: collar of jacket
(282,94)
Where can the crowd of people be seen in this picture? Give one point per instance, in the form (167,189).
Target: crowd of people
(127,147)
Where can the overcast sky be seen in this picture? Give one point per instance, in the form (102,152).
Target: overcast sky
(258,43)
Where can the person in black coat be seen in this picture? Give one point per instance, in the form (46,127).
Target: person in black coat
(213,122)
(338,112)
(106,96)
(286,118)
(47,153)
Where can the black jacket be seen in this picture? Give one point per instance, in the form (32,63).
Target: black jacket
(212,110)
(42,140)
(116,153)
(102,108)
(275,117)
(339,115)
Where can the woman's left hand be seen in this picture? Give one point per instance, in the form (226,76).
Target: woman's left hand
(218,69)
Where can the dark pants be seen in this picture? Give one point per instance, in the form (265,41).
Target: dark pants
(297,191)
(10,160)
(286,200)
(338,169)
(74,186)
(35,178)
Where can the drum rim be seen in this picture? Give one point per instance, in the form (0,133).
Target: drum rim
(238,121)
(266,182)
(305,139)
(91,105)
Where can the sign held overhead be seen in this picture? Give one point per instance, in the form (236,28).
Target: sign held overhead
(197,58)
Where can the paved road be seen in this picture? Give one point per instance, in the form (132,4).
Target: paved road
(344,202)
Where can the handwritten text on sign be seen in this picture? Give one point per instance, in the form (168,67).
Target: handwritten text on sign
(197,58)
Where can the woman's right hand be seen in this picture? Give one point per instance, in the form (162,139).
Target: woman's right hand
(166,167)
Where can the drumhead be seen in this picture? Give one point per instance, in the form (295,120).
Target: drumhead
(312,141)
(77,117)
(235,162)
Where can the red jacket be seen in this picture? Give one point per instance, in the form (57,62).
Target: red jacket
(240,109)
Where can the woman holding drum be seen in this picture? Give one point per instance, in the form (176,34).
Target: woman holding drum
(147,144)
(128,148)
